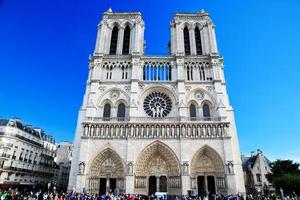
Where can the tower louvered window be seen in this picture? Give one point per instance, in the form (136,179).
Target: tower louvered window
(114,41)
(187,47)
(126,41)
(198,41)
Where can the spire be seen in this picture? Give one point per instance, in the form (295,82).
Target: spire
(109,10)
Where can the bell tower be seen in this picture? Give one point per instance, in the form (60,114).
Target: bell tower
(120,33)
(193,34)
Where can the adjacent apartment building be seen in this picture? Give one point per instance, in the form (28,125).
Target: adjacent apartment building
(26,156)
(63,160)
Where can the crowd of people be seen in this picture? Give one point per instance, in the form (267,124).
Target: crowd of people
(14,194)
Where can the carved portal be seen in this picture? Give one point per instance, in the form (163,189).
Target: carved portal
(207,162)
(107,164)
(157,160)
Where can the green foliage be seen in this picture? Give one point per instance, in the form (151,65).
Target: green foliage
(286,175)
(288,182)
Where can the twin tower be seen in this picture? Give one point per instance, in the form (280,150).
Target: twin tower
(123,34)
(156,123)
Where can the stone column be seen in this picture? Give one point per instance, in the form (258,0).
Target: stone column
(97,46)
(157,184)
(136,39)
(107,184)
(179,40)
(107,39)
(214,48)
(205,184)
(120,41)
(192,41)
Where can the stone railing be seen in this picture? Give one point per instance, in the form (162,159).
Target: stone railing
(166,129)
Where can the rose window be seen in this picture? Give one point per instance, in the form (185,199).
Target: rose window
(157,104)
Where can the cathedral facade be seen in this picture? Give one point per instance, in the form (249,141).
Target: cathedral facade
(156,123)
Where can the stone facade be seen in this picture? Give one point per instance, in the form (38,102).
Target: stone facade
(256,167)
(26,156)
(156,123)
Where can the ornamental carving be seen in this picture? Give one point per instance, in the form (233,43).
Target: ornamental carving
(206,160)
(102,88)
(199,95)
(229,166)
(130,168)
(185,168)
(157,159)
(127,89)
(114,94)
(107,164)
(81,168)
(210,88)
(188,88)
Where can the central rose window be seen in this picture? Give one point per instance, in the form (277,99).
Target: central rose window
(157,104)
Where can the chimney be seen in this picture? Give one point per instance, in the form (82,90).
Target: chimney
(18,119)
(259,151)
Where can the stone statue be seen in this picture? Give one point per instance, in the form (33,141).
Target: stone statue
(81,168)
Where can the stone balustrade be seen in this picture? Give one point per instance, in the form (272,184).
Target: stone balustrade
(154,129)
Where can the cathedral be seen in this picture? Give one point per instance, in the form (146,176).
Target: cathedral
(156,123)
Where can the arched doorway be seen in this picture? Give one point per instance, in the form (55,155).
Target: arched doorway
(157,168)
(207,172)
(107,173)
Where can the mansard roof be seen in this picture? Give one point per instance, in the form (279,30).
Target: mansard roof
(36,132)
(250,161)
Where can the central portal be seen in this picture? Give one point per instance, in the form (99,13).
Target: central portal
(157,181)
(157,170)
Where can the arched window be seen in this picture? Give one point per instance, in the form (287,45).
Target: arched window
(193,113)
(106,112)
(121,112)
(187,48)
(198,41)
(206,112)
(114,41)
(126,41)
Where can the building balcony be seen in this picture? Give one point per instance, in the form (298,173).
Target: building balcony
(6,145)
(5,155)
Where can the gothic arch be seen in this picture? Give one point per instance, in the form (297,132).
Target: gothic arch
(121,101)
(107,164)
(206,160)
(106,97)
(160,88)
(114,23)
(186,24)
(127,23)
(157,152)
(198,24)
(207,96)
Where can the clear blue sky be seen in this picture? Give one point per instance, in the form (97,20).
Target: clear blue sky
(44,48)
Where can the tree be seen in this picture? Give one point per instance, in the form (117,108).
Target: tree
(285,174)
